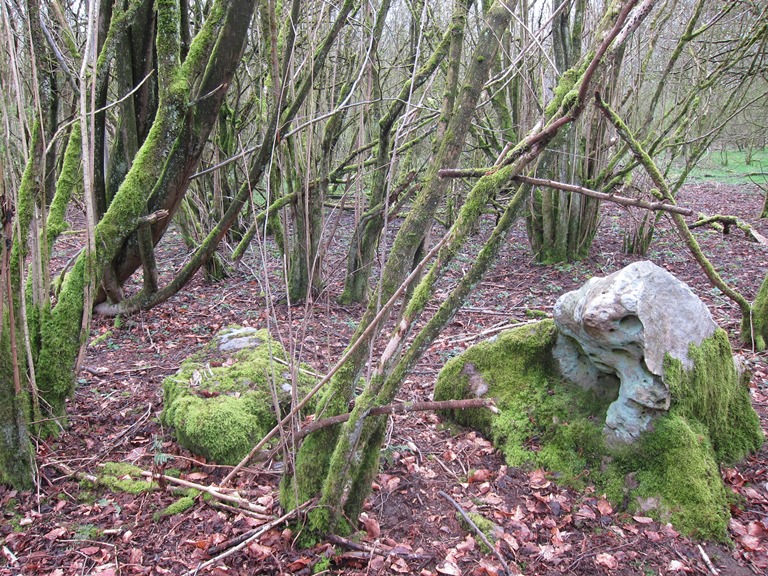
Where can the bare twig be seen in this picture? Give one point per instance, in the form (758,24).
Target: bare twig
(401,409)
(253,536)
(479,532)
(10,556)
(371,550)
(347,354)
(707,561)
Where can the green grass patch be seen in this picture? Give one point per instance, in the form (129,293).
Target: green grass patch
(732,167)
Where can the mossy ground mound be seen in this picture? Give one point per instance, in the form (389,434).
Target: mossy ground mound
(548,422)
(220,402)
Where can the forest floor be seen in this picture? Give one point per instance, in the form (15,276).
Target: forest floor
(68,526)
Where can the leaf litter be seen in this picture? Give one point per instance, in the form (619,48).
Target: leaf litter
(536,525)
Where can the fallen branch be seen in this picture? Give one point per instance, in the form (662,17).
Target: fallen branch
(483,333)
(256,511)
(723,224)
(479,532)
(371,550)
(404,408)
(622,200)
(250,538)
(10,556)
(215,492)
(707,561)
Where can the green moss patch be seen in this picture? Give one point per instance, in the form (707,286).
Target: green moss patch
(122,477)
(220,402)
(672,473)
(179,506)
(544,421)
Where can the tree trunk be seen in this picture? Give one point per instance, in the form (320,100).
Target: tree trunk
(368,231)
(345,478)
(51,333)
(562,225)
(320,462)
(758,330)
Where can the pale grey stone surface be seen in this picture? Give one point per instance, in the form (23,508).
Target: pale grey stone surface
(231,340)
(620,327)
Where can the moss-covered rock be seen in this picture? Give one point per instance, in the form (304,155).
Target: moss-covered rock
(220,402)
(543,420)
(671,473)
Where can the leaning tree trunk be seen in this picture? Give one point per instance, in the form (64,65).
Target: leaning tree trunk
(368,230)
(50,329)
(345,478)
(318,462)
(758,330)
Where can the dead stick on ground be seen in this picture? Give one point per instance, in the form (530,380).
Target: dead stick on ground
(707,561)
(214,492)
(357,547)
(258,532)
(477,530)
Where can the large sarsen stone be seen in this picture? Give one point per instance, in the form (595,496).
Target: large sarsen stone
(615,331)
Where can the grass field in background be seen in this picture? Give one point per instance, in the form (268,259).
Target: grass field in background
(730,167)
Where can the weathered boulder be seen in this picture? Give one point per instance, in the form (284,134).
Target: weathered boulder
(220,401)
(648,399)
(618,330)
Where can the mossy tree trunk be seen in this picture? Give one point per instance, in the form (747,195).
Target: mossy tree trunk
(18,211)
(368,230)
(343,478)
(758,331)
(562,225)
(278,122)
(322,463)
(50,329)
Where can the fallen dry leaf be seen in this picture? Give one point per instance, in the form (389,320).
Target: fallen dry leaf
(401,566)
(737,527)
(607,561)
(676,566)
(481,475)
(55,533)
(758,529)
(196,476)
(372,529)
(547,553)
(604,507)
(485,569)
(377,563)
(751,543)
(299,564)
(259,550)
(448,568)
(538,479)
(642,519)
(467,545)
(586,513)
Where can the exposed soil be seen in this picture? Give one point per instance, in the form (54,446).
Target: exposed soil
(409,526)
